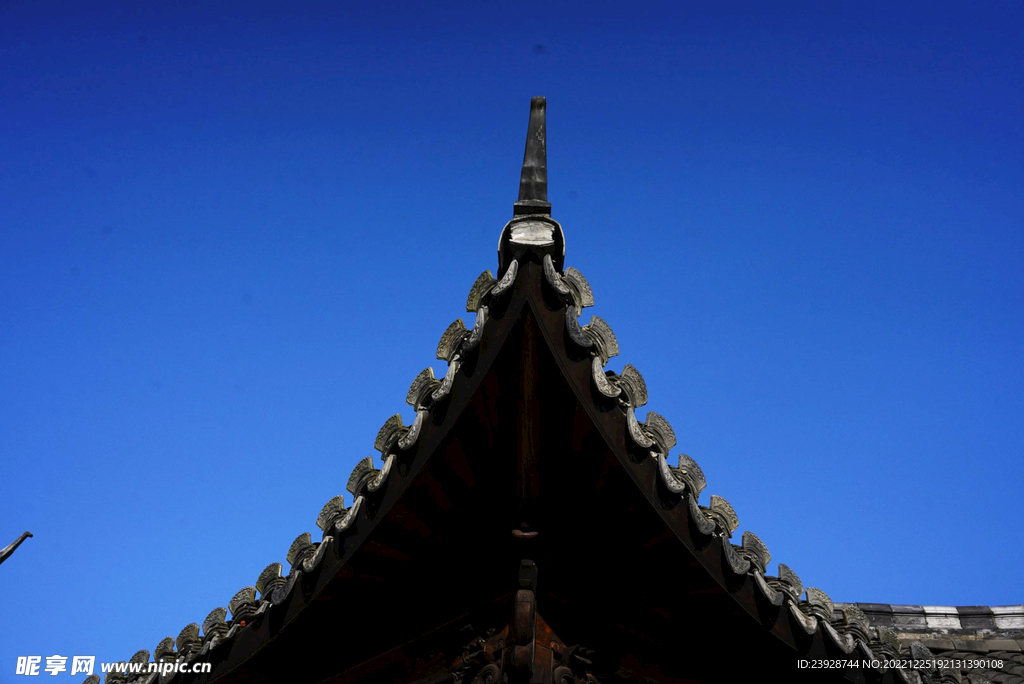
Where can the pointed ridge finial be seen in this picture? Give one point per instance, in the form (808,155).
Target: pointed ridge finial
(533,183)
(532,233)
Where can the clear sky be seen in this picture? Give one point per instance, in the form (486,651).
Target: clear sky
(232,234)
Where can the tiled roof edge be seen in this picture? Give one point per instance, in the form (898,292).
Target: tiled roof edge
(304,555)
(849,631)
(847,626)
(985,643)
(901,617)
(853,628)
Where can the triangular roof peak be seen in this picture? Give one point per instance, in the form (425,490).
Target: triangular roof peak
(528,426)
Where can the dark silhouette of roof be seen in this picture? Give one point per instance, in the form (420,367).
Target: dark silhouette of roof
(529,527)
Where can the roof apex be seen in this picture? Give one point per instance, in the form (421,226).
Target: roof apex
(532,229)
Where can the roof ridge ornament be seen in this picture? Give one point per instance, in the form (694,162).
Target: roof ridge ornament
(531,229)
(533,181)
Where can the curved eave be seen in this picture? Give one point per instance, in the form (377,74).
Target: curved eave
(687,575)
(339,583)
(740,594)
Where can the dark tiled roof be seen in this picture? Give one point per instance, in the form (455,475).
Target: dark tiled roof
(970,622)
(987,634)
(863,631)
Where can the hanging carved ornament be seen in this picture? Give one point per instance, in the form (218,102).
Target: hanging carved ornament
(489,659)
(526,650)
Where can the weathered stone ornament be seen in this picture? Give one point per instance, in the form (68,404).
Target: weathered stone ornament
(722,514)
(362,474)
(632,383)
(390,432)
(164,651)
(755,551)
(659,429)
(481,287)
(214,626)
(817,604)
(451,340)
(300,550)
(690,473)
(787,583)
(188,641)
(243,605)
(270,580)
(332,511)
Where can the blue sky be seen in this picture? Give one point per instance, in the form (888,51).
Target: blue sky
(232,235)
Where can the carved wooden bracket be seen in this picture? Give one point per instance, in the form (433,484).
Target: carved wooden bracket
(526,651)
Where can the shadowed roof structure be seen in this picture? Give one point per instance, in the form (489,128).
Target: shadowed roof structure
(528,526)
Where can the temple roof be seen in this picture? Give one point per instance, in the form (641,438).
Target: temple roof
(527,444)
(991,634)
